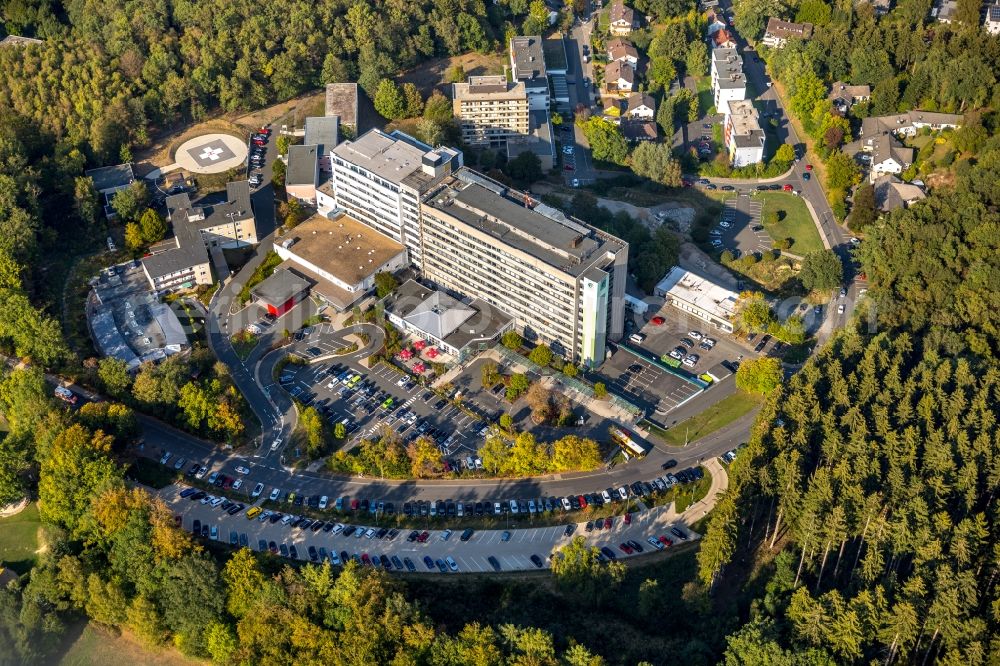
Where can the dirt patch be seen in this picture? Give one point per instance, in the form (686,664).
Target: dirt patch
(292,113)
(693,259)
(97,647)
(429,76)
(13,509)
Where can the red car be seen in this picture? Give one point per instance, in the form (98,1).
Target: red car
(227,483)
(259,142)
(424,536)
(666,542)
(628,518)
(366,560)
(265,130)
(582,500)
(809,167)
(354,504)
(657,320)
(608,523)
(569,167)
(787,187)
(625,548)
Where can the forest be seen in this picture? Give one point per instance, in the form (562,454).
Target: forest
(866,493)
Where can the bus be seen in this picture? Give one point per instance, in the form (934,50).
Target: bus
(629,443)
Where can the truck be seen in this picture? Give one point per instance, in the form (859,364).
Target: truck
(65,395)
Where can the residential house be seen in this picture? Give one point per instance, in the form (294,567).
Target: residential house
(729,83)
(714,23)
(621,19)
(620,50)
(640,107)
(743,135)
(892,193)
(888,156)
(722,39)
(944,10)
(909,123)
(639,130)
(490,109)
(992,22)
(302,172)
(778,32)
(843,95)
(527,62)
(619,77)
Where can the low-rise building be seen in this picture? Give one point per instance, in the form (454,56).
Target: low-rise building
(639,130)
(723,39)
(619,49)
(213,223)
(490,109)
(324,133)
(892,193)
(909,123)
(458,326)
(992,21)
(621,19)
(619,77)
(302,172)
(843,95)
(699,296)
(743,134)
(527,61)
(944,10)
(538,140)
(729,83)
(281,291)
(339,257)
(342,102)
(641,106)
(888,156)
(778,32)
(108,181)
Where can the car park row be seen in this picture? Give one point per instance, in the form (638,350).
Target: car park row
(336,542)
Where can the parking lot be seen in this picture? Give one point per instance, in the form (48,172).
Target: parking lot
(645,384)
(367,401)
(740,229)
(511,549)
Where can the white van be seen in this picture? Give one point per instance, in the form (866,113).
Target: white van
(637,338)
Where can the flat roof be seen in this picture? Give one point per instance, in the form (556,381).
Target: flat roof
(539,230)
(280,286)
(344,247)
(528,57)
(481,88)
(342,101)
(111,177)
(302,165)
(538,141)
(554,50)
(699,291)
(323,131)
(387,156)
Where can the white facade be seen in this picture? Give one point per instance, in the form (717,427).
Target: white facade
(729,82)
(743,135)
(700,297)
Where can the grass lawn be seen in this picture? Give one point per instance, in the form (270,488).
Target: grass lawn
(19,539)
(706,100)
(99,647)
(715,417)
(797,223)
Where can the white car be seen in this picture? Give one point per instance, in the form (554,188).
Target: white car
(287,519)
(724,224)
(202,471)
(445,535)
(323,501)
(242,470)
(275,444)
(338,528)
(257,490)
(695,335)
(207,498)
(451,563)
(607,497)
(217,501)
(565,504)
(275,494)
(370,533)
(575,182)
(655,543)
(237,484)
(840,309)
(674,354)
(623,492)
(264,515)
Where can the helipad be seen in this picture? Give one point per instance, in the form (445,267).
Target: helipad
(212,153)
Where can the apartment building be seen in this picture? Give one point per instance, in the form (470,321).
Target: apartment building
(743,134)
(561,280)
(729,83)
(527,62)
(490,110)
(379,178)
(182,262)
